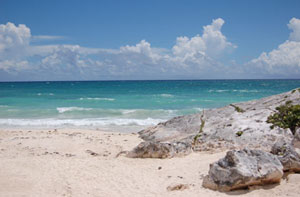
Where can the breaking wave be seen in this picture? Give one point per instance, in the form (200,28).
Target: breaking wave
(92,122)
(68,109)
(97,99)
(242,91)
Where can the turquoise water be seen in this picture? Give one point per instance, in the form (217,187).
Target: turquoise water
(123,103)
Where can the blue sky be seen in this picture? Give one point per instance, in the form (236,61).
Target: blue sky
(95,40)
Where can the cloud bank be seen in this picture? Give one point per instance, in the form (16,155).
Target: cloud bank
(285,60)
(201,56)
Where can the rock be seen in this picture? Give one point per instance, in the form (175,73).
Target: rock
(296,140)
(152,150)
(159,150)
(177,187)
(287,155)
(175,129)
(218,127)
(297,134)
(240,169)
(92,153)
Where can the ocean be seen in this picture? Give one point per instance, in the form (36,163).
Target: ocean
(122,104)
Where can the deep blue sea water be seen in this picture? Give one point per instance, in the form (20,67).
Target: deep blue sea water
(122,103)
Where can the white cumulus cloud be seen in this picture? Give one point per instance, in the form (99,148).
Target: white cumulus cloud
(212,42)
(189,57)
(13,39)
(294,25)
(285,60)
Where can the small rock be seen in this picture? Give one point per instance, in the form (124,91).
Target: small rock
(177,187)
(287,155)
(69,155)
(153,149)
(296,140)
(92,153)
(159,168)
(244,168)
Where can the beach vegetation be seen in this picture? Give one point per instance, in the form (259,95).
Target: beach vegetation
(288,103)
(237,108)
(293,91)
(287,116)
(199,134)
(239,133)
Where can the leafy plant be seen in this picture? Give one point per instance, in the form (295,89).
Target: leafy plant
(201,129)
(238,109)
(239,133)
(287,116)
(293,91)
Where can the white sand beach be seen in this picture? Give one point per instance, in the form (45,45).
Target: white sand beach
(73,162)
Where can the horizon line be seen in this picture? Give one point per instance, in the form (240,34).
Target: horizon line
(112,80)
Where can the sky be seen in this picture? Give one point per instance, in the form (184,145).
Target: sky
(136,40)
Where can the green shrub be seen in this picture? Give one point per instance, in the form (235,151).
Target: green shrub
(287,116)
(293,91)
(238,109)
(288,103)
(239,133)
(200,130)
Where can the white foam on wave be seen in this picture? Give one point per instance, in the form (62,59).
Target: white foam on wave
(98,99)
(92,122)
(122,113)
(47,94)
(247,91)
(157,113)
(129,111)
(67,109)
(198,109)
(167,95)
(218,90)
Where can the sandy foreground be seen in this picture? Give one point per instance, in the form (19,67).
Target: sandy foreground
(73,162)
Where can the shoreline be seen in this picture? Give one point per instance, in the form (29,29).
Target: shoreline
(77,162)
(110,129)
